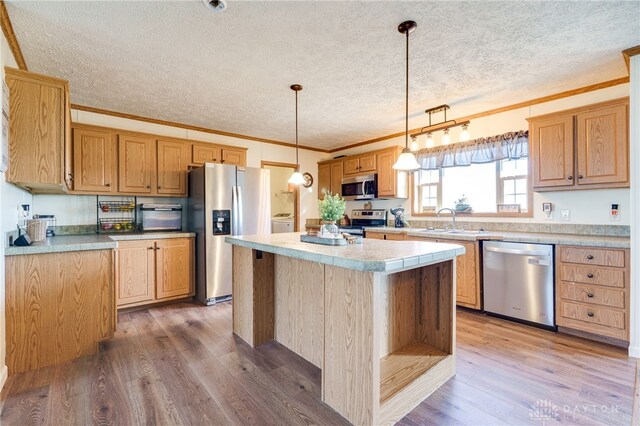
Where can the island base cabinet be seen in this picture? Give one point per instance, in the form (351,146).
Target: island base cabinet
(384,341)
(59,307)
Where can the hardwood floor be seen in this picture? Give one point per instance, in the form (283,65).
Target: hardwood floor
(180,364)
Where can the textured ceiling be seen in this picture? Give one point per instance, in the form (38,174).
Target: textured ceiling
(177,61)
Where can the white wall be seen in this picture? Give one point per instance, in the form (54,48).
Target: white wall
(586,206)
(80,210)
(10,197)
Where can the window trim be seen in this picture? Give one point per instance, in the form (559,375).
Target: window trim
(528,213)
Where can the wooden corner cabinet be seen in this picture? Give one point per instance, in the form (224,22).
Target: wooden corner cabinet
(59,306)
(582,148)
(150,271)
(39,132)
(391,183)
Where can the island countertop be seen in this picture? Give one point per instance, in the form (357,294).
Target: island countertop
(371,255)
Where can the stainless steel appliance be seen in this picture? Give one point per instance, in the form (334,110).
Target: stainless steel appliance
(361,219)
(360,187)
(518,282)
(224,200)
(161,217)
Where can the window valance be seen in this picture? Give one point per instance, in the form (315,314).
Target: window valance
(512,145)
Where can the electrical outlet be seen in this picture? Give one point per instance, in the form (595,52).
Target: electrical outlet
(614,214)
(565,214)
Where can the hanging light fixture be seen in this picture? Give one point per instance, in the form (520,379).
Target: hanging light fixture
(296,178)
(414,144)
(464,135)
(429,140)
(406,160)
(446,137)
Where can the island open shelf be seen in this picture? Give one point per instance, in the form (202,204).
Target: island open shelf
(380,326)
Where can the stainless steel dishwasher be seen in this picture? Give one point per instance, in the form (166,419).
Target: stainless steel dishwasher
(518,282)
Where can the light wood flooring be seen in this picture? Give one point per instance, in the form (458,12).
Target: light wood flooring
(180,364)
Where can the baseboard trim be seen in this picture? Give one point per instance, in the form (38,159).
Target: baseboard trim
(4,374)
(634,351)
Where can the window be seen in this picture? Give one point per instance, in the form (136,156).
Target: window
(483,185)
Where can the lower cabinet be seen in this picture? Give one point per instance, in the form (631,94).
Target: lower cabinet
(468,288)
(150,271)
(59,306)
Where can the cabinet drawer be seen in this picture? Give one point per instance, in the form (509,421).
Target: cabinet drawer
(592,275)
(592,256)
(594,315)
(592,295)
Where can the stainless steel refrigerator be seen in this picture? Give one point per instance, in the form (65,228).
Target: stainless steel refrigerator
(224,200)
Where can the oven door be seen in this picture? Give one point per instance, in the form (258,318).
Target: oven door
(360,187)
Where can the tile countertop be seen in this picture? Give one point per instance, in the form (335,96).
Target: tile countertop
(516,237)
(66,243)
(372,255)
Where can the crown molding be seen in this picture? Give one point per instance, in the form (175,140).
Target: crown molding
(628,53)
(7,29)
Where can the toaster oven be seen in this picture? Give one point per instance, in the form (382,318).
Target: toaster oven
(161,217)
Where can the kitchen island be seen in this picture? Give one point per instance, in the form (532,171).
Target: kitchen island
(377,318)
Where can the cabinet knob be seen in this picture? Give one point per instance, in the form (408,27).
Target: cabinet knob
(589,275)
(590,257)
(590,314)
(157,248)
(589,295)
(148,186)
(222,161)
(569,177)
(159,187)
(107,185)
(580,177)
(149,248)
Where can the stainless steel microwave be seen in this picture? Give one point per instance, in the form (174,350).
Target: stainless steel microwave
(363,187)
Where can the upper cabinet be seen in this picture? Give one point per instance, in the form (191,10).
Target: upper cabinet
(584,148)
(391,183)
(209,153)
(136,164)
(95,161)
(39,132)
(236,157)
(172,167)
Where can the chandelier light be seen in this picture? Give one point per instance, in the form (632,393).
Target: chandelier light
(296,178)
(445,125)
(407,161)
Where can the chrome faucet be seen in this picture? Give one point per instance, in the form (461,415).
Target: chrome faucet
(453,215)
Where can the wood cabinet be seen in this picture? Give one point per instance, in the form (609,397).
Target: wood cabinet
(94,161)
(592,291)
(210,153)
(152,271)
(391,183)
(582,148)
(136,164)
(330,175)
(360,164)
(39,132)
(59,306)
(172,168)
(468,287)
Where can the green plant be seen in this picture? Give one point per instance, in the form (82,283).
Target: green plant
(332,207)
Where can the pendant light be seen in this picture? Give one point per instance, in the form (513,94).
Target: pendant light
(296,178)
(406,160)
(446,137)
(429,140)
(464,135)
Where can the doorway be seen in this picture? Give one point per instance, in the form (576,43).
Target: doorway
(285,198)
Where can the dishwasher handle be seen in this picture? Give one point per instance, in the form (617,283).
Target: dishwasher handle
(518,252)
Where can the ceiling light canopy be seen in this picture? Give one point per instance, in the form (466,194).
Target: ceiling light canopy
(407,161)
(216,6)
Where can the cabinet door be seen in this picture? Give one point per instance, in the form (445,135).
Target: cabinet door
(36,133)
(367,163)
(386,174)
(324,179)
(205,154)
(94,161)
(136,164)
(336,178)
(602,143)
(467,280)
(551,145)
(136,272)
(375,235)
(172,168)
(237,157)
(174,268)
(351,166)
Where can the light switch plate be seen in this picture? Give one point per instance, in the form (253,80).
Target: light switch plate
(565,214)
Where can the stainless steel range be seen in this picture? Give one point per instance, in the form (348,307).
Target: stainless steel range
(361,219)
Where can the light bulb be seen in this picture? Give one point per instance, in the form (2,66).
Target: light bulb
(296,178)
(464,136)
(429,140)
(414,144)
(446,138)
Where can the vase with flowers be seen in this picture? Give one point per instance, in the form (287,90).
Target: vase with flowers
(332,208)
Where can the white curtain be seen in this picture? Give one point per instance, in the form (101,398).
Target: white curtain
(512,145)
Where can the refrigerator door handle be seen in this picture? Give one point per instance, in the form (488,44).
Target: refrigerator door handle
(239,212)
(234,211)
